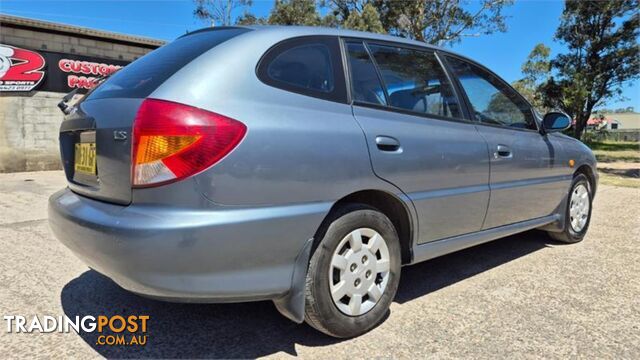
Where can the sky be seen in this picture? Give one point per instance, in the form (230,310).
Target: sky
(530,22)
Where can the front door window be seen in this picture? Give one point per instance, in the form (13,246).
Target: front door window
(493,101)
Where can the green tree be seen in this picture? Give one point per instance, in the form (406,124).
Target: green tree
(218,12)
(442,22)
(248,18)
(367,19)
(295,12)
(343,9)
(537,68)
(436,22)
(536,71)
(290,12)
(602,56)
(330,20)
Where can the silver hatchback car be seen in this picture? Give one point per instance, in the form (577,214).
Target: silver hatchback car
(306,166)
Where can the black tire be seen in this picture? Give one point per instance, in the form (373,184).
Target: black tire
(568,234)
(320,310)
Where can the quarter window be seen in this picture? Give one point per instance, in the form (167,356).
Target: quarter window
(365,83)
(493,101)
(307,65)
(415,81)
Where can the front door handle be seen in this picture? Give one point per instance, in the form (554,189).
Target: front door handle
(502,152)
(387,143)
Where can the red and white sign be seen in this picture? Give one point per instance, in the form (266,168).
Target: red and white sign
(85,74)
(26,70)
(20,69)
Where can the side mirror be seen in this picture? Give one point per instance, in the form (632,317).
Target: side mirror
(555,121)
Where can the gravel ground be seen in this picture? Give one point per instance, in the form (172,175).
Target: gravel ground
(522,296)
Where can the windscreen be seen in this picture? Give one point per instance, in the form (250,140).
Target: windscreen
(140,78)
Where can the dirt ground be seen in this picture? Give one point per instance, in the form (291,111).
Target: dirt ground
(522,296)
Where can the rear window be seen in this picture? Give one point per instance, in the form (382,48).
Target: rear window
(140,78)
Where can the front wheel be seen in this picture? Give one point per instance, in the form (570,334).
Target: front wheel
(577,213)
(353,273)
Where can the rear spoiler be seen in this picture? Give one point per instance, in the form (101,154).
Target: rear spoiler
(207,29)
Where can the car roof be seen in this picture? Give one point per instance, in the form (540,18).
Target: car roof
(288,31)
(320,30)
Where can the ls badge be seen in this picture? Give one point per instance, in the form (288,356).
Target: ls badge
(119,135)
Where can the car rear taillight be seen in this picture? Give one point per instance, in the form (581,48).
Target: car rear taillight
(172,141)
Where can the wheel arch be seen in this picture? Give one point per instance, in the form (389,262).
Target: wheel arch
(292,304)
(389,204)
(588,171)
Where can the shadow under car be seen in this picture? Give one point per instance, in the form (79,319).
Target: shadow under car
(249,330)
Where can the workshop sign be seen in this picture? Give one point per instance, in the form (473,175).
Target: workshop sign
(20,69)
(23,70)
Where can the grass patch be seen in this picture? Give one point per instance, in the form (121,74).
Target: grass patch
(613,151)
(623,153)
(614,180)
(615,146)
(605,157)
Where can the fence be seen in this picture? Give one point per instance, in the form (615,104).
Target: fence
(612,135)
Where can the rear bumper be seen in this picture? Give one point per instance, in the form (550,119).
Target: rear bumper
(187,255)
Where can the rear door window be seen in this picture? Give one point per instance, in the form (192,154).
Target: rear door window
(307,65)
(415,81)
(140,78)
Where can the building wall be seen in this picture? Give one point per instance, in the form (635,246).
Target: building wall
(29,132)
(40,40)
(627,121)
(29,122)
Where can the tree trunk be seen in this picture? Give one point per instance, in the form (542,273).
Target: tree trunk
(581,123)
(583,118)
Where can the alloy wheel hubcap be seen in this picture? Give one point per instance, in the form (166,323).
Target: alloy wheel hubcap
(579,207)
(359,271)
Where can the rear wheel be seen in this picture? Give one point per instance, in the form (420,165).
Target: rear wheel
(353,273)
(577,213)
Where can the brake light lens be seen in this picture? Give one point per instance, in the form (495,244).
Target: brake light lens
(172,141)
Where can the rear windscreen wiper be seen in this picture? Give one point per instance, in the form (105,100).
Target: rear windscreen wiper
(64,104)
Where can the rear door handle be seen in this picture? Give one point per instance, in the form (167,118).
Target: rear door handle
(502,152)
(387,143)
